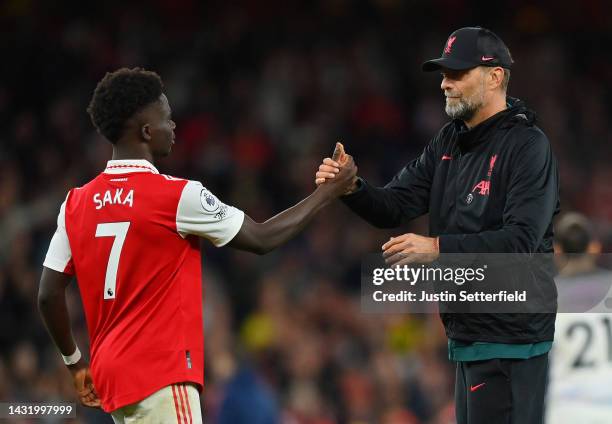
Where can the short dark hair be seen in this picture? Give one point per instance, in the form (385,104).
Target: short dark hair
(574,233)
(120,95)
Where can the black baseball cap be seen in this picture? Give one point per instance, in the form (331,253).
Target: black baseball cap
(470,47)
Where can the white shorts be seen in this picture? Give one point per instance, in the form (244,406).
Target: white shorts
(178,403)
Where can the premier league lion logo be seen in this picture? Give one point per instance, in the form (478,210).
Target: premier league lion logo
(209,201)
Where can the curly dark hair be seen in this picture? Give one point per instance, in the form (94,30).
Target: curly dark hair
(119,95)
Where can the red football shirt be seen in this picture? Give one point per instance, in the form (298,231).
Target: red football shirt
(130,236)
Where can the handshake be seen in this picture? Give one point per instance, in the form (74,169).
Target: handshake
(337,174)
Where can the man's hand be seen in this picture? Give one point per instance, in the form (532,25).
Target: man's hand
(410,248)
(83,384)
(331,167)
(344,176)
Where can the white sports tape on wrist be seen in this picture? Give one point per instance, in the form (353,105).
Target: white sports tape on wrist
(72,359)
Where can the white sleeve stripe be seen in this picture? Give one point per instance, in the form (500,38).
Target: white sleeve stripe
(200,213)
(236,226)
(55,264)
(59,253)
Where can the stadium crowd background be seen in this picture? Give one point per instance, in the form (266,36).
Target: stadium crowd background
(260,92)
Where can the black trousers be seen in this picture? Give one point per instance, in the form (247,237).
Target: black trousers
(501,391)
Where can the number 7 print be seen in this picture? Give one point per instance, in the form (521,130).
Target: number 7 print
(118,230)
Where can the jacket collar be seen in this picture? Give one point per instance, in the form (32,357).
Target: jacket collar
(516,112)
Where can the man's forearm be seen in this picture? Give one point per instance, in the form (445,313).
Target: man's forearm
(53,309)
(262,237)
(382,207)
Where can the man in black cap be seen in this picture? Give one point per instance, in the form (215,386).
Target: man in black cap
(489,182)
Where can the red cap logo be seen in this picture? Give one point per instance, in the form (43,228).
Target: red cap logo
(449,44)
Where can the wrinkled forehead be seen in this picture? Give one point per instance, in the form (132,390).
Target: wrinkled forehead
(467,76)
(461,72)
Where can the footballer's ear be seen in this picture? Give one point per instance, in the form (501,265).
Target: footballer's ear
(145,131)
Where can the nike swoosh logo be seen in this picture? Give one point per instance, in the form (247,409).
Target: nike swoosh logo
(486,59)
(474,388)
(446,157)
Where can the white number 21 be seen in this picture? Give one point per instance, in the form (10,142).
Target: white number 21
(118,230)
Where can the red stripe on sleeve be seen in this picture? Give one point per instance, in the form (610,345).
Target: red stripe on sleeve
(182,401)
(176,408)
(188,406)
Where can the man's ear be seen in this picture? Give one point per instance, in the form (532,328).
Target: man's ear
(496,76)
(145,131)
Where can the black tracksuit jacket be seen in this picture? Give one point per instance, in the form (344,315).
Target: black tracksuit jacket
(490,189)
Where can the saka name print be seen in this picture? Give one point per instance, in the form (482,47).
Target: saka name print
(116,198)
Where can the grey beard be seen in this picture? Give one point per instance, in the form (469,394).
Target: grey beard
(464,110)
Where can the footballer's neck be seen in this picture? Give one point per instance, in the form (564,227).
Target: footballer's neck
(126,149)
